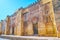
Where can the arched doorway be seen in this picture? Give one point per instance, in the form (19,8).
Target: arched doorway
(35,29)
(35,25)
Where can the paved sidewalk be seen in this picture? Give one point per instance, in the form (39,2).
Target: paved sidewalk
(12,37)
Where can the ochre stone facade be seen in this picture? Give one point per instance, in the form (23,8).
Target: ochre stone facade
(0,28)
(35,20)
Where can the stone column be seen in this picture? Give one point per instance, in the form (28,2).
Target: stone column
(19,23)
(50,24)
(30,28)
(7,28)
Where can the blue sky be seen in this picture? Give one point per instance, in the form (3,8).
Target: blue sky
(8,7)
